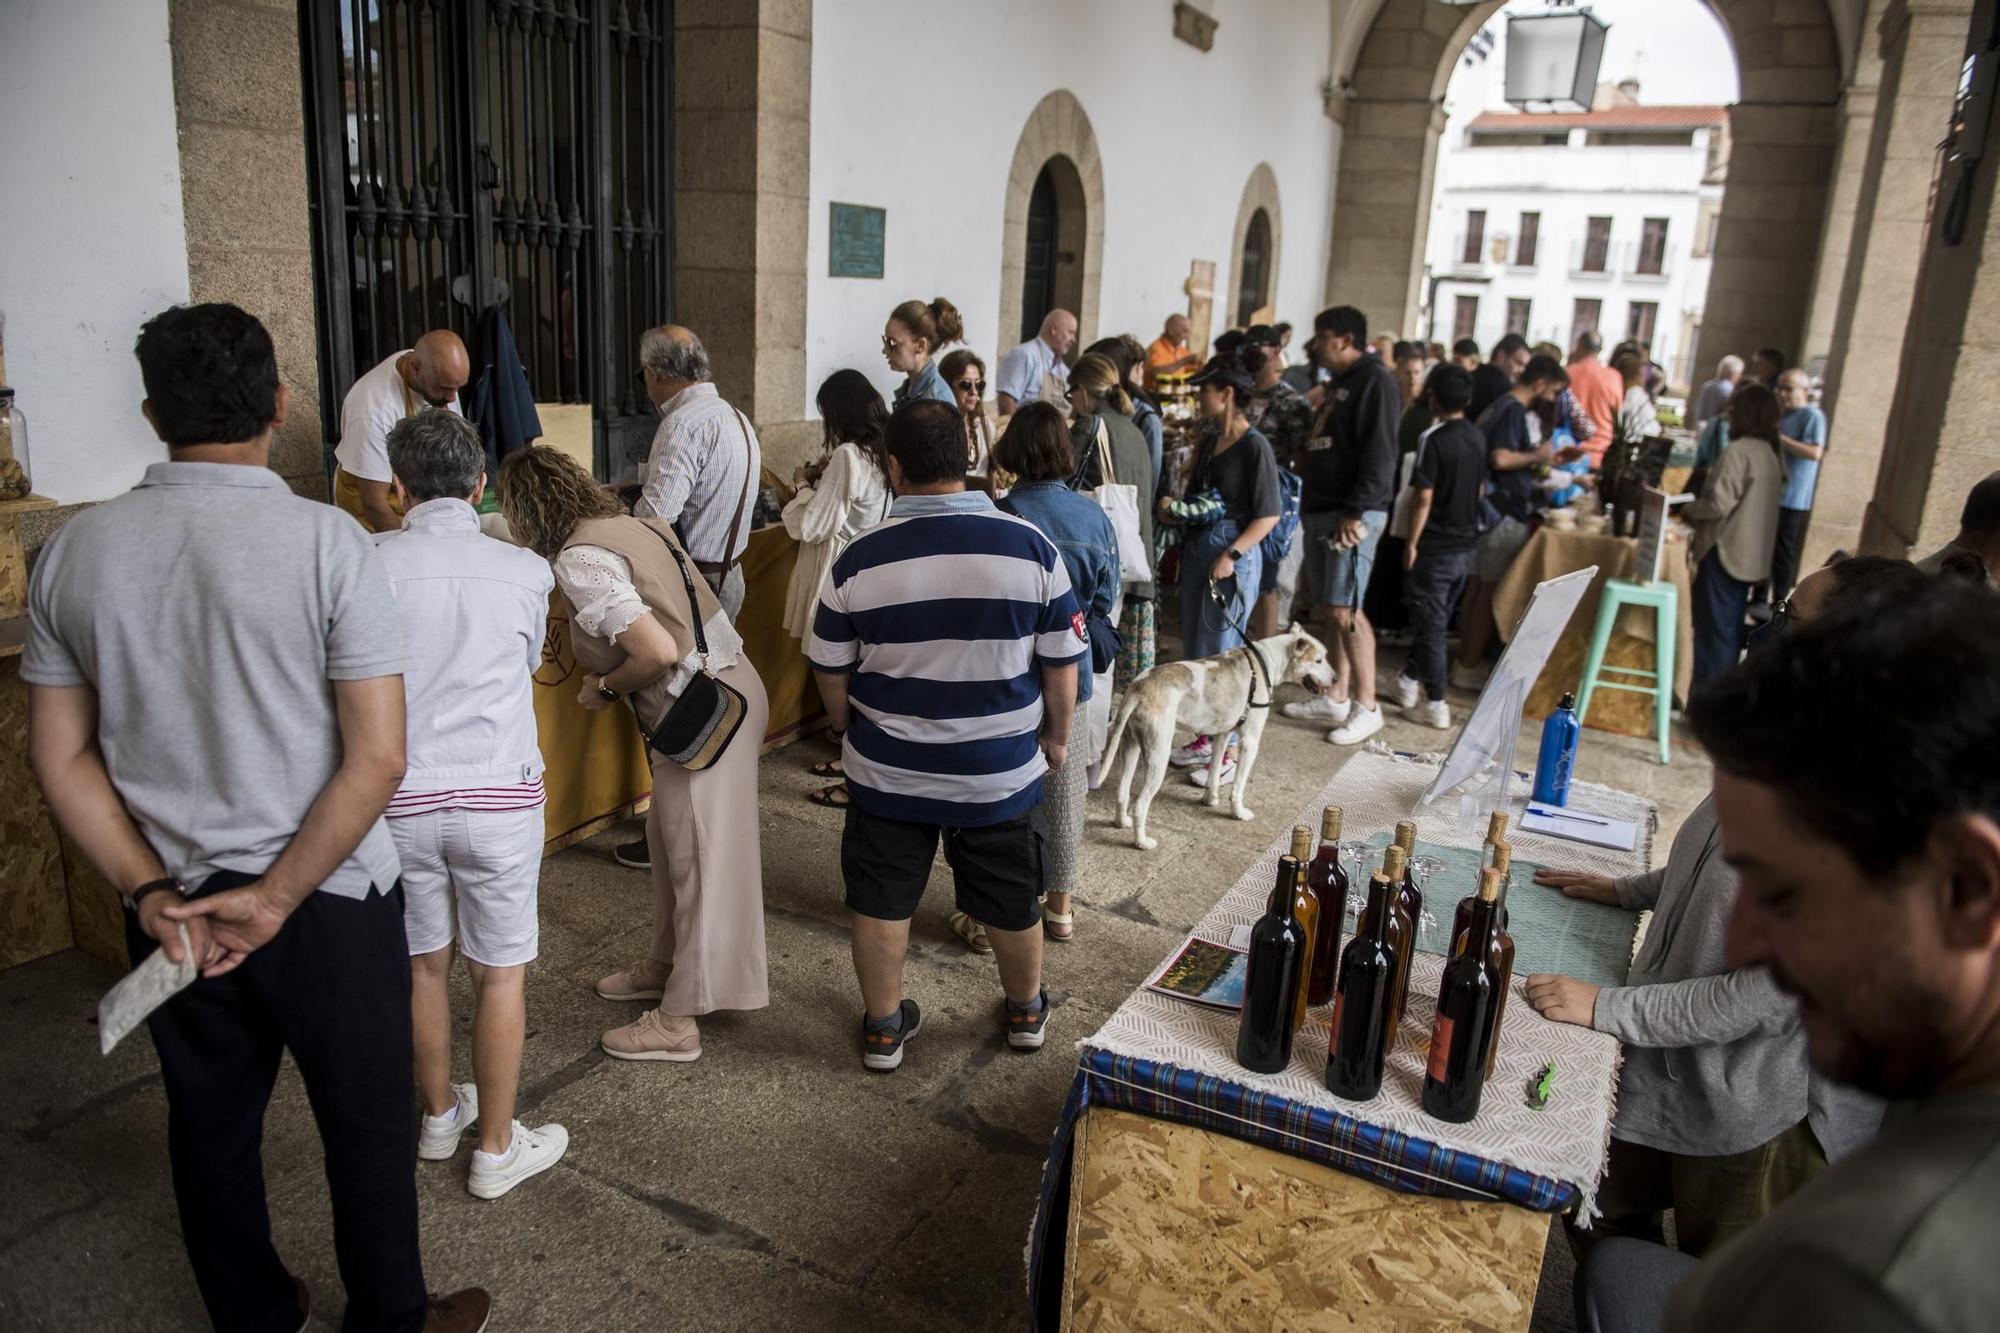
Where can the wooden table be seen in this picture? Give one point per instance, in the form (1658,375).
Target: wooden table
(1176,1228)
(1549,554)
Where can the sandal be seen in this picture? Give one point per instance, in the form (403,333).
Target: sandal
(827,768)
(1059,926)
(971,932)
(833,795)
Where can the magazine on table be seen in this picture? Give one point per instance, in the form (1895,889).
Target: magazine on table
(1204,972)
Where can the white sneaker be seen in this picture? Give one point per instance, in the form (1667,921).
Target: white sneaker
(1435,713)
(1405,692)
(1191,755)
(1322,708)
(532,1152)
(439,1140)
(1471,678)
(1199,777)
(1365,723)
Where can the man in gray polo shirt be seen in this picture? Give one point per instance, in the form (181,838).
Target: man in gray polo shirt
(216,717)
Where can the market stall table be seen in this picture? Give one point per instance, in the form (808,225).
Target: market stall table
(1166,1058)
(1550,553)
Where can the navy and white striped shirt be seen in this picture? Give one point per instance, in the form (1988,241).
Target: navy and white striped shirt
(944,614)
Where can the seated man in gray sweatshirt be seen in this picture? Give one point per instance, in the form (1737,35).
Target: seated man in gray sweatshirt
(1712,1117)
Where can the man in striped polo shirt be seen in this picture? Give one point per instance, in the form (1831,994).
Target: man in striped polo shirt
(946,646)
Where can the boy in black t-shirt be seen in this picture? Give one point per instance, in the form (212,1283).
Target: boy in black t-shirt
(1449,484)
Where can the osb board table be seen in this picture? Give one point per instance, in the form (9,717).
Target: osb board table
(1176,1228)
(1550,554)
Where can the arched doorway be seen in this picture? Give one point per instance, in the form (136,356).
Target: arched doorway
(1253,287)
(1258,245)
(1052,258)
(1052,240)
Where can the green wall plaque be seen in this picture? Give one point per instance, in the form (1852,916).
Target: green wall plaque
(856,236)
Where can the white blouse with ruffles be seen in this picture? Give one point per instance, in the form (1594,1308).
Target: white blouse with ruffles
(598,585)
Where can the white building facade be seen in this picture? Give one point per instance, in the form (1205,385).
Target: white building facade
(1548,224)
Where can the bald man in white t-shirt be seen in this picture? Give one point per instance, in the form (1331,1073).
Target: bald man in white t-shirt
(430,374)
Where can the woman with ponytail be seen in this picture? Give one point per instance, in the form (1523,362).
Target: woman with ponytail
(911,342)
(1103,410)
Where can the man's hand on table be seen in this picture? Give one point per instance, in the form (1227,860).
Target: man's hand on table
(1563,999)
(1579,884)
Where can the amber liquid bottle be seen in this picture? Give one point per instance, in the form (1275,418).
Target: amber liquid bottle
(1466,1012)
(1358,1045)
(1410,900)
(1271,980)
(1402,938)
(1498,856)
(1306,907)
(1328,880)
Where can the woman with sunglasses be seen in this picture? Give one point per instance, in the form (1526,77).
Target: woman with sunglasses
(965,375)
(912,338)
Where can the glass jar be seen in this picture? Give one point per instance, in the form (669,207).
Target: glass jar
(15,481)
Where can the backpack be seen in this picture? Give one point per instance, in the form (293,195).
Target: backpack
(1277,543)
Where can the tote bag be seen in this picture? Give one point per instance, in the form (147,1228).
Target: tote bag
(1121,504)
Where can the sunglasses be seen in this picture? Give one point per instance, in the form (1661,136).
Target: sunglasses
(971,386)
(890,344)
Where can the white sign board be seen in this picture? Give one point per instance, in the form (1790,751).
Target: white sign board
(1488,739)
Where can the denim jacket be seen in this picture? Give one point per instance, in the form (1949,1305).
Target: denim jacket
(1083,534)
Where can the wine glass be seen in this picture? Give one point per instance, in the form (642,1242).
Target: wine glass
(1359,858)
(1423,867)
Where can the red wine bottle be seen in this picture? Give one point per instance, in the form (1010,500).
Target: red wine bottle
(1358,1044)
(1271,981)
(1468,1003)
(1497,856)
(1402,938)
(1328,879)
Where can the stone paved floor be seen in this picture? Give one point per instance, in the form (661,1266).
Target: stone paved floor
(772,1185)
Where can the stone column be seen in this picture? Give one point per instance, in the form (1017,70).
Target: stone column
(742,98)
(241,116)
(1843,204)
(1921,45)
(1940,437)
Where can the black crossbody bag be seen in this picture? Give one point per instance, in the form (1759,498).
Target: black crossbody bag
(699,724)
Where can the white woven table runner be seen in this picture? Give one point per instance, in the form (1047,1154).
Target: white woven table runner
(1565,1141)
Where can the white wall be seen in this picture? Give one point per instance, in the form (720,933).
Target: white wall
(91,218)
(917,107)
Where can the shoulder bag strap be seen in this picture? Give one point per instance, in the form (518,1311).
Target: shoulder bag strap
(694,605)
(1107,470)
(736,519)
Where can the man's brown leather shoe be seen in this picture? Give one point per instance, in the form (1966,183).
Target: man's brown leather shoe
(461,1312)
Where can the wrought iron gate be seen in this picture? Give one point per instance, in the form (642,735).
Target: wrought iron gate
(473,152)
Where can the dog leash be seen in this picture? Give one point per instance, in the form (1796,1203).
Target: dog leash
(1250,646)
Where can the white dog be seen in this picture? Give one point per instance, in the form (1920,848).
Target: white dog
(1209,696)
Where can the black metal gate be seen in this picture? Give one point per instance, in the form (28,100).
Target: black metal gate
(473,152)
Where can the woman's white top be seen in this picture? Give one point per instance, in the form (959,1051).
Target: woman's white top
(1636,417)
(852,495)
(598,585)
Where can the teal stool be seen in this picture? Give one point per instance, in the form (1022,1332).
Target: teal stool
(1665,601)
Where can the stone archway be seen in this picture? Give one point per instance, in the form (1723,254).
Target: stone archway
(1057,136)
(1387,92)
(1260,194)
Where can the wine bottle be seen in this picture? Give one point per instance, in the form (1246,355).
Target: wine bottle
(1456,1073)
(1402,936)
(1271,980)
(1358,1042)
(1412,900)
(1498,856)
(1306,907)
(1328,879)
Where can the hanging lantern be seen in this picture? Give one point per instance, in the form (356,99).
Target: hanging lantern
(1552,59)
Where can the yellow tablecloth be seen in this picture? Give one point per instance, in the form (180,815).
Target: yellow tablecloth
(779,658)
(1550,554)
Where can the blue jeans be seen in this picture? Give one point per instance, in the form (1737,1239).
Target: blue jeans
(1205,627)
(1719,604)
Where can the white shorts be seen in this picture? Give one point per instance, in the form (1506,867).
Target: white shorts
(477,871)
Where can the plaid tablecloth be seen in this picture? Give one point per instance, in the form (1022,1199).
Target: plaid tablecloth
(1166,1057)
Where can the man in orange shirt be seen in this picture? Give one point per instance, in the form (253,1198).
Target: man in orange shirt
(1169,354)
(1599,391)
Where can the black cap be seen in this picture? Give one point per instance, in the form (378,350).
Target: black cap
(1568,700)
(1261,335)
(1223,370)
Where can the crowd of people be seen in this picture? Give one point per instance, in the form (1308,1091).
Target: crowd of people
(346,792)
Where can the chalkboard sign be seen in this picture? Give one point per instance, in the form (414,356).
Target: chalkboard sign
(1652,535)
(855,236)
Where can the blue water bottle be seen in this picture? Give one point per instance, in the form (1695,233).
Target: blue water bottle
(1558,757)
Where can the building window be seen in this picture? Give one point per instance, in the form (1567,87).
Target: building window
(1524,244)
(1639,321)
(1704,227)
(1475,236)
(1584,320)
(1653,246)
(1596,245)
(1517,315)
(1252,292)
(1464,316)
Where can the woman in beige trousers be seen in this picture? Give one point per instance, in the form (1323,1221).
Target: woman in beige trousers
(634,601)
